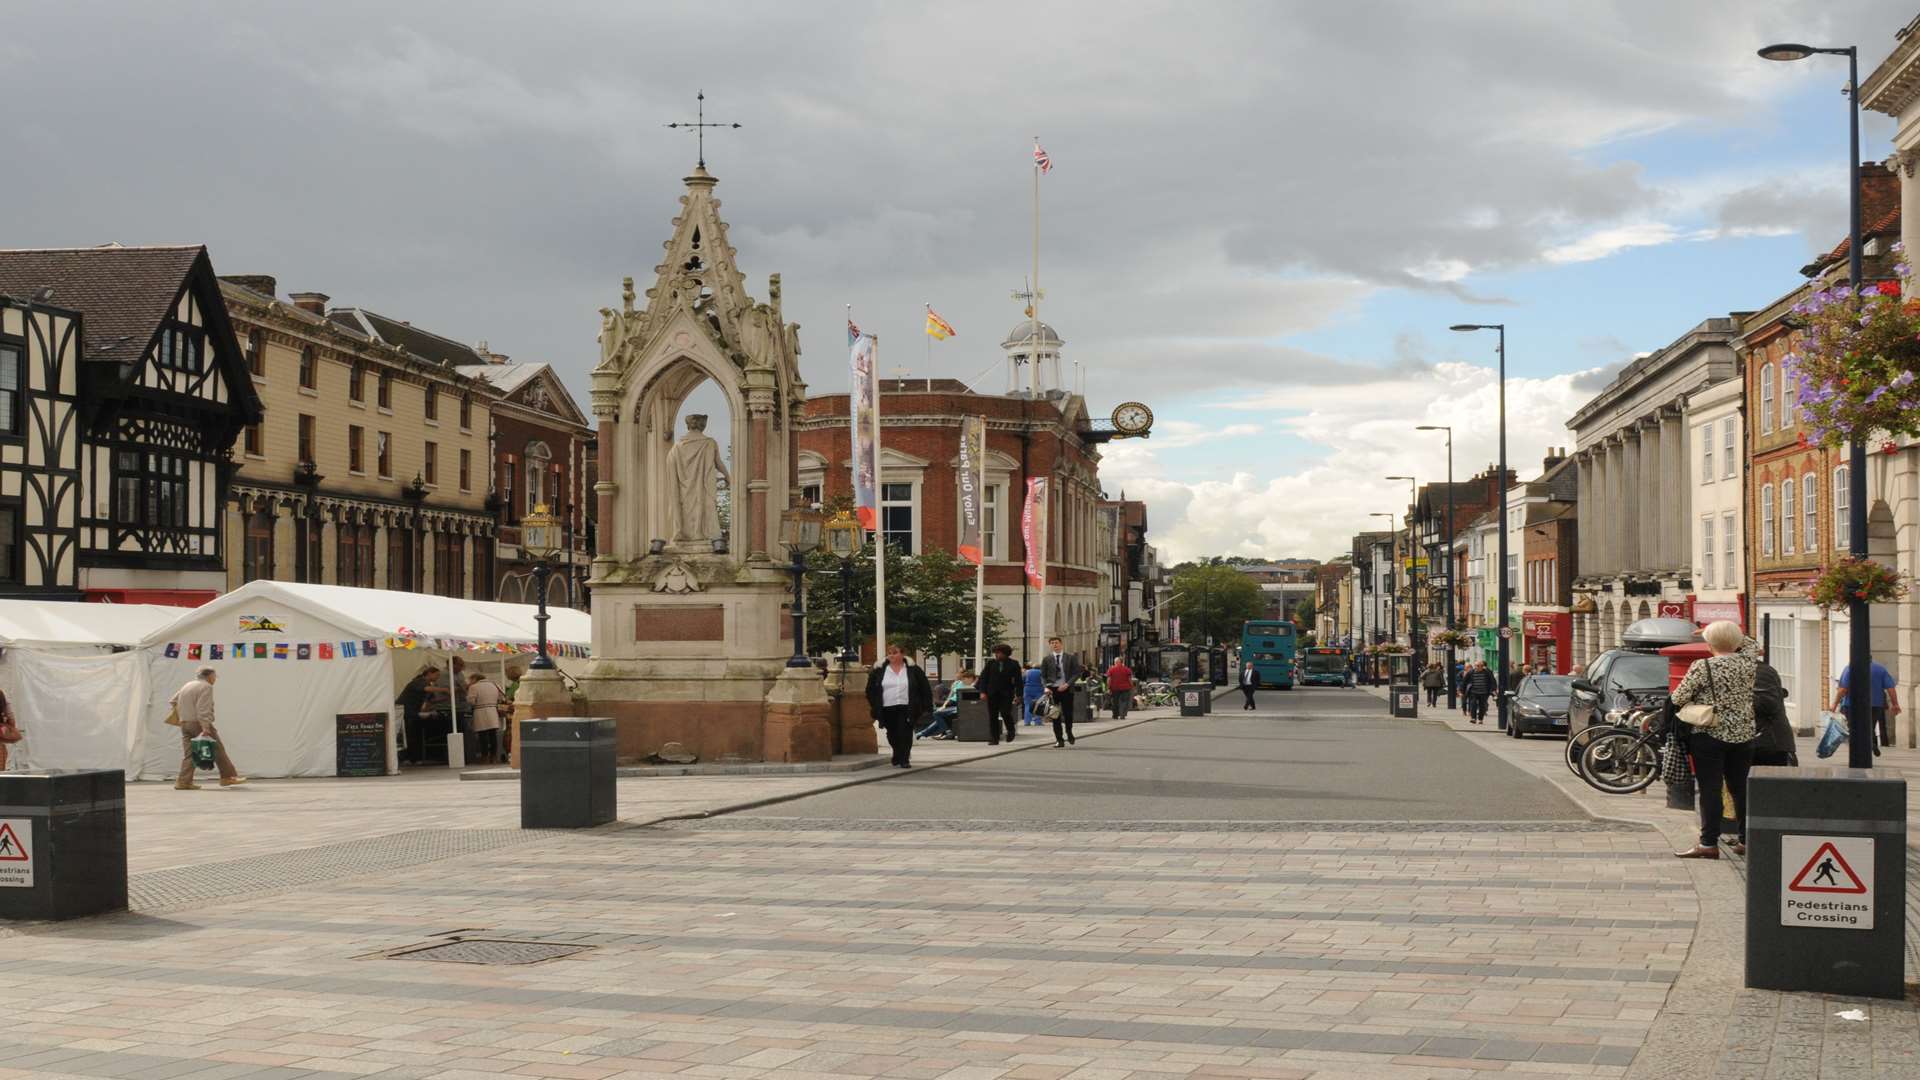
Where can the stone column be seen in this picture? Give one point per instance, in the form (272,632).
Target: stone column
(1651,496)
(1626,506)
(1583,506)
(1680,530)
(1903,164)
(611,539)
(763,521)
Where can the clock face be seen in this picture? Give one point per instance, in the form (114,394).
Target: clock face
(1132,418)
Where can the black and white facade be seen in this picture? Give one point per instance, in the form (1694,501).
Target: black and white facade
(122,390)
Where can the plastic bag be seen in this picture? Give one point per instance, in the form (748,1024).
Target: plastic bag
(1832,734)
(203,749)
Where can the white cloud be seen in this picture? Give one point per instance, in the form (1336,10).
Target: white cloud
(1367,432)
(1611,241)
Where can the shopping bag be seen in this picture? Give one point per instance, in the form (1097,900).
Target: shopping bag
(203,749)
(1832,734)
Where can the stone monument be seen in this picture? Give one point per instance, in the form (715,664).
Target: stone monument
(690,632)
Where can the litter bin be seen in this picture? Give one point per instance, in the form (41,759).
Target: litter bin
(1827,881)
(567,773)
(974,723)
(63,843)
(1403,700)
(1083,707)
(1193,698)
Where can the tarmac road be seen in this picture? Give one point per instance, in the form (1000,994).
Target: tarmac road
(1312,754)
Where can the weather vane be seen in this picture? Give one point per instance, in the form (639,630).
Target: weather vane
(699,126)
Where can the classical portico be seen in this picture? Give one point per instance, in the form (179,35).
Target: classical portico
(1635,495)
(690,641)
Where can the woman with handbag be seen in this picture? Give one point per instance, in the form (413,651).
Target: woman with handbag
(1715,709)
(9,730)
(900,697)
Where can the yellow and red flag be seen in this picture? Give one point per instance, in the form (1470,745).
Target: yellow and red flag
(938,328)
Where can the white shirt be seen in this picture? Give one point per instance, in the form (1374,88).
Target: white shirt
(894,688)
(1246,676)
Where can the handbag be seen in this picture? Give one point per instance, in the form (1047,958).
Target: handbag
(173,716)
(1700,714)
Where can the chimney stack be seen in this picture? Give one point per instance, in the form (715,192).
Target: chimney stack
(260,283)
(315,302)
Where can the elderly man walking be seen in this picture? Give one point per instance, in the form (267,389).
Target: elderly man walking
(193,703)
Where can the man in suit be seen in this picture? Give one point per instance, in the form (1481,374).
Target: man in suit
(1001,680)
(1060,670)
(1249,682)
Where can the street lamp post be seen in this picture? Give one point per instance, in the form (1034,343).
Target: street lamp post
(843,540)
(1860,741)
(1393,563)
(800,531)
(539,539)
(1505,630)
(1415,639)
(1453,683)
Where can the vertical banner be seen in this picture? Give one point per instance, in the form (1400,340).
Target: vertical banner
(1033,532)
(866,430)
(973,454)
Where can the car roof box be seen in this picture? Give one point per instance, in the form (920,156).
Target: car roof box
(1659,633)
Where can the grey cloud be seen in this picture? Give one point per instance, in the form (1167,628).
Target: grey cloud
(1599,378)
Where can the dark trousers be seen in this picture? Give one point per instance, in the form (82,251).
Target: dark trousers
(898,721)
(1248,690)
(1433,696)
(416,739)
(486,744)
(1001,712)
(1477,706)
(1122,702)
(1715,762)
(1063,720)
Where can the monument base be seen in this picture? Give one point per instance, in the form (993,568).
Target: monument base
(797,726)
(541,695)
(853,730)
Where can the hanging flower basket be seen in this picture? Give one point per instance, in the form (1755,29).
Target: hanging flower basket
(1856,361)
(1857,579)
(1456,639)
(1388,648)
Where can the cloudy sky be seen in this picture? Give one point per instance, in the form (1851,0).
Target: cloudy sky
(1262,219)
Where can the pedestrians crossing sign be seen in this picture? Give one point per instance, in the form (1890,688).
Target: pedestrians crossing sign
(16,853)
(1826,882)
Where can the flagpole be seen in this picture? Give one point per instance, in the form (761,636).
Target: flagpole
(929,337)
(879,520)
(1033,383)
(980,568)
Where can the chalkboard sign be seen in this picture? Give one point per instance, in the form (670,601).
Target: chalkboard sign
(360,744)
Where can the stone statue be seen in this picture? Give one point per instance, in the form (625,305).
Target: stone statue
(693,514)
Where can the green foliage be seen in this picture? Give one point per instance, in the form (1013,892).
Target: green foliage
(1860,579)
(1305,612)
(1214,600)
(929,608)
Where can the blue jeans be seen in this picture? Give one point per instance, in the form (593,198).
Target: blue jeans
(942,723)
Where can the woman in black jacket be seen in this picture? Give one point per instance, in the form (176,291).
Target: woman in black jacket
(900,698)
(1775,745)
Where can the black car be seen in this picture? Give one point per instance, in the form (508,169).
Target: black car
(1633,674)
(1540,706)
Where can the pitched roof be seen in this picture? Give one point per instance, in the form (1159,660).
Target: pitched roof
(505,378)
(123,292)
(422,343)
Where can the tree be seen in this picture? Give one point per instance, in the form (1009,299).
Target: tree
(1213,601)
(1305,611)
(929,609)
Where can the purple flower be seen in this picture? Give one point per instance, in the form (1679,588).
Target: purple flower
(1902,269)
(1903,379)
(1878,392)
(1897,247)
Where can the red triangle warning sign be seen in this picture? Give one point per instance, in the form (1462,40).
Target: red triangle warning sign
(1830,874)
(11,847)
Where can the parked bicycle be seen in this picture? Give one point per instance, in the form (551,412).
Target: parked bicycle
(1155,695)
(1625,759)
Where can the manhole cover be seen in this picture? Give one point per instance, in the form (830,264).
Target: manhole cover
(483,951)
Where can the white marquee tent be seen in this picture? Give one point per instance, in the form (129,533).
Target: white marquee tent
(76,684)
(313,653)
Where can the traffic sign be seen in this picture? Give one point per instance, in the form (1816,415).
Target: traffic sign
(1505,632)
(1826,882)
(16,854)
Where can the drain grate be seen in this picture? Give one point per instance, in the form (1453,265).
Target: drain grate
(486,951)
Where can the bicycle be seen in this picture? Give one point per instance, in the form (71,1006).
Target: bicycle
(1626,759)
(1155,695)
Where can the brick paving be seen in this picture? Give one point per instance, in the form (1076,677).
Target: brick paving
(1713,1026)
(787,948)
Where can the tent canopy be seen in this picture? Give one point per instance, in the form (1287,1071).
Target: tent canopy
(378,613)
(50,623)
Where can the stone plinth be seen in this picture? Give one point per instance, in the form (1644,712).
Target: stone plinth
(798,727)
(853,730)
(542,694)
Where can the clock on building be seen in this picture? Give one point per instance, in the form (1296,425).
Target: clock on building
(1132,418)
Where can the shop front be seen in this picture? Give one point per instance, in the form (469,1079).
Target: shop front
(1548,640)
(1711,611)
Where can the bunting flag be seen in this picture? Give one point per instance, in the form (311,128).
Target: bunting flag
(1033,531)
(239,650)
(866,429)
(349,649)
(370,648)
(938,328)
(173,650)
(259,650)
(280,650)
(303,651)
(193,652)
(973,451)
(214,652)
(326,650)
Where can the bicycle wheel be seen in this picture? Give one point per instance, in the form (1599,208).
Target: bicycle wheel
(1621,762)
(1577,744)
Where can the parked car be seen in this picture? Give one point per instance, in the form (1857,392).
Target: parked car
(1635,673)
(1540,706)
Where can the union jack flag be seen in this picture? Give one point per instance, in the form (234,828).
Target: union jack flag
(853,332)
(1040,159)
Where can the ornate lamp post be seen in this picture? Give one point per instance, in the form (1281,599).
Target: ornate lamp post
(843,539)
(1453,684)
(540,539)
(800,531)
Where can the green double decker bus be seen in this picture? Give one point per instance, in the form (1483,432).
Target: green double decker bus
(1269,645)
(1325,665)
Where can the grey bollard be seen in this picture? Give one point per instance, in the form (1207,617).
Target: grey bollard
(973,723)
(1827,881)
(63,843)
(1403,700)
(567,775)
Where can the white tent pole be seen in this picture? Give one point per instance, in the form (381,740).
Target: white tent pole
(456,746)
